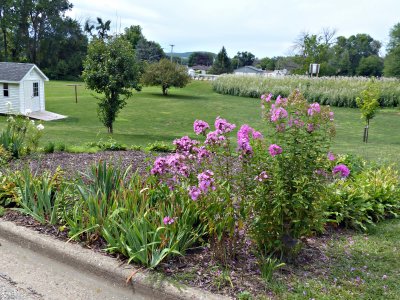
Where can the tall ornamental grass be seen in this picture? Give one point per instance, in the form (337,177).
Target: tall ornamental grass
(334,91)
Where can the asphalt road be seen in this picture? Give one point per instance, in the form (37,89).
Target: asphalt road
(27,275)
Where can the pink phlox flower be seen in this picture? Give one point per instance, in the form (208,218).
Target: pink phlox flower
(262,176)
(331,157)
(299,123)
(342,170)
(331,116)
(310,127)
(206,181)
(200,127)
(160,166)
(313,109)
(222,126)
(281,101)
(168,220)
(274,149)
(257,135)
(201,153)
(185,144)
(277,113)
(194,192)
(176,164)
(266,98)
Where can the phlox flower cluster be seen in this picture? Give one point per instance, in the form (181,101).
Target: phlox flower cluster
(266,98)
(243,138)
(281,101)
(168,220)
(314,108)
(331,156)
(342,170)
(214,138)
(172,167)
(277,113)
(185,144)
(222,126)
(200,127)
(274,150)
(206,184)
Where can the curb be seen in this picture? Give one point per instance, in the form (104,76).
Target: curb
(86,260)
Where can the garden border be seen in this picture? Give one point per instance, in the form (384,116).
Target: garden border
(106,267)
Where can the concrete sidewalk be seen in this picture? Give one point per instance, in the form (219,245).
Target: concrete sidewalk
(36,266)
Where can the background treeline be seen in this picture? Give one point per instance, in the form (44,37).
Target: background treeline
(38,31)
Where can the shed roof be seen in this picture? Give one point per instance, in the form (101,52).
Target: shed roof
(15,72)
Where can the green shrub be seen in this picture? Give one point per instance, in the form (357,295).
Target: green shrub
(21,136)
(159,147)
(8,192)
(49,147)
(5,156)
(61,147)
(366,197)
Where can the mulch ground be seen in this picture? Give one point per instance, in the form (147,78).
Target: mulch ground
(198,268)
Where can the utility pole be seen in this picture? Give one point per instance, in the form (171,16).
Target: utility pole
(172,49)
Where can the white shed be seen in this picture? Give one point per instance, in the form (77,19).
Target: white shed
(21,88)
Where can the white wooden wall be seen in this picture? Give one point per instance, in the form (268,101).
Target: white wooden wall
(13,97)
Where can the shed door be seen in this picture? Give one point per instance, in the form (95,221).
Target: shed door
(32,95)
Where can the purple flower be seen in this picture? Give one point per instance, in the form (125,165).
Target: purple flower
(331,116)
(168,220)
(274,150)
(202,153)
(280,101)
(280,127)
(266,98)
(200,127)
(331,157)
(257,135)
(160,166)
(310,127)
(277,113)
(212,138)
(342,170)
(222,126)
(262,176)
(299,123)
(194,192)
(313,109)
(206,181)
(184,144)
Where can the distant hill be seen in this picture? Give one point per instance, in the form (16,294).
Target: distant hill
(186,54)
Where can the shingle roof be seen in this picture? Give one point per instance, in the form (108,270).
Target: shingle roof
(13,71)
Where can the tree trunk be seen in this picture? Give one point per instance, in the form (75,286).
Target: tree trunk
(165,90)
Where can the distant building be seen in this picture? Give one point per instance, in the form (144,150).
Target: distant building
(276,73)
(200,69)
(248,70)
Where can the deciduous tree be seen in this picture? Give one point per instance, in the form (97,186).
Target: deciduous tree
(165,74)
(111,69)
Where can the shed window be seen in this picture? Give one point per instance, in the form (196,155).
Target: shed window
(5,90)
(36,89)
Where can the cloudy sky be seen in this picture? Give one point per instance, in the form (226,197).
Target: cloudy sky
(263,27)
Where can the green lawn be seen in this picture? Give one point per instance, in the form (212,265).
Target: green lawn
(150,117)
(357,266)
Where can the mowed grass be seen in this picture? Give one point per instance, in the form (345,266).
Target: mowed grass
(149,116)
(357,266)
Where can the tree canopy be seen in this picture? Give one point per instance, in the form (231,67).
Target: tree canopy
(111,69)
(222,63)
(165,74)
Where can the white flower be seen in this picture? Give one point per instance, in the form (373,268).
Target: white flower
(33,122)
(8,103)
(40,127)
(28,111)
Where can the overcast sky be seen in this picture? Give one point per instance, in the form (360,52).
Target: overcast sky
(265,28)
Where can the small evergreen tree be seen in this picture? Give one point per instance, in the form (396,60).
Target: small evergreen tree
(222,63)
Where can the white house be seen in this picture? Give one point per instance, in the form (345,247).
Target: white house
(21,88)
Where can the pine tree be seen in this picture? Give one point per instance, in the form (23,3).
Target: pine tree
(222,63)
